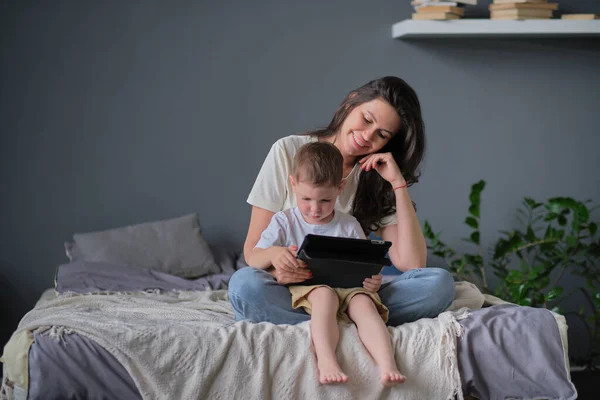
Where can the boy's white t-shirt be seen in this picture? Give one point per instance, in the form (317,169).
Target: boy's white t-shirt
(288,228)
(272,189)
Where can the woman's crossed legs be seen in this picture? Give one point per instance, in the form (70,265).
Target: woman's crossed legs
(419,293)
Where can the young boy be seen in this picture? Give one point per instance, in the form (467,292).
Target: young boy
(317,182)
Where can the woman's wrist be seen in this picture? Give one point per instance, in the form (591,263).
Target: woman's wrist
(399,184)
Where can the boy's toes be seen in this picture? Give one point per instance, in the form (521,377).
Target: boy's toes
(397,377)
(392,378)
(335,378)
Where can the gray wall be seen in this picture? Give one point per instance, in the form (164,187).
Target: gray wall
(114,113)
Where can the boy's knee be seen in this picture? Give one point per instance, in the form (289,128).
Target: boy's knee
(360,303)
(323,294)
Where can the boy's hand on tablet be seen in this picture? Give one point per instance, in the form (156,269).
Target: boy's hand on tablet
(284,258)
(288,269)
(373,283)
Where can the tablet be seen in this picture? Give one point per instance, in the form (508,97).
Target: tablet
(342,262)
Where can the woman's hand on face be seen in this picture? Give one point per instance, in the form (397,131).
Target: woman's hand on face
(288,269)
(385,165)
(373,283)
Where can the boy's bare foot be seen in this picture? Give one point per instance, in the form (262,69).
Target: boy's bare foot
(330,372)
(391,377)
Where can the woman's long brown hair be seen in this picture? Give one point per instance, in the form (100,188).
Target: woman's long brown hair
(375,197)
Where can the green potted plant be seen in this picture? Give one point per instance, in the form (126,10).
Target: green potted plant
(530,262)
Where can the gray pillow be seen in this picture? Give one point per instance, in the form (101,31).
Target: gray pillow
(175,246)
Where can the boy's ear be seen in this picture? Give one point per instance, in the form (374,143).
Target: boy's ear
(292,182)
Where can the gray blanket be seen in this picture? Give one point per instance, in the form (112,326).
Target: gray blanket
(91,277)
(513,352)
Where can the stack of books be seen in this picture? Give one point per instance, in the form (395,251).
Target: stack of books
(581,16)
(522,9)
(439,9)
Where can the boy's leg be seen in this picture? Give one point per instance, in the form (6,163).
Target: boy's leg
(375,336)
(325,334)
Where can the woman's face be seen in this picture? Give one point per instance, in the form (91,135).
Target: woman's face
(367,128)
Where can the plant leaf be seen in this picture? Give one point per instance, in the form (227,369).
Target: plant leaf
(550,216)
(472,222)
(530,202)
(593,228)
(530,236)
(554,293)
(514,277)
(427,231)
(523,289)
(479,186)
(474,210)
(557,204)
(475,237)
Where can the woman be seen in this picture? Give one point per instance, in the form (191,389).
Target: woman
(379,130)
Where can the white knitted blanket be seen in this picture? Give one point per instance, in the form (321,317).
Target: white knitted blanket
(185,345)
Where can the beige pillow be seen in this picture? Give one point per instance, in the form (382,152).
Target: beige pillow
(466,295)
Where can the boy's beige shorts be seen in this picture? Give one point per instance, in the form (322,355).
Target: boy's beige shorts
(300,294)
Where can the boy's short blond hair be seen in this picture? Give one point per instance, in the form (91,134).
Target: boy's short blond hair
(319,164)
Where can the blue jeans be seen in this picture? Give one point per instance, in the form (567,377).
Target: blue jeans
(417,293)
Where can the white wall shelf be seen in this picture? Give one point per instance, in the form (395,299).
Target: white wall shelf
(486,28)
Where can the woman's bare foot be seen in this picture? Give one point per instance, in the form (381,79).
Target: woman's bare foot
(391,377)
(330,372)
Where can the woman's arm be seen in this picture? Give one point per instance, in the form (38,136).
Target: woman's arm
(259,220)
(268,193)
(409,249)
(263,258)
(281,258)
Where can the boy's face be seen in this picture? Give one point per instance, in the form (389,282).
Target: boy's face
(316,203)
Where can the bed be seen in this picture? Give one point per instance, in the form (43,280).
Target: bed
(121,330)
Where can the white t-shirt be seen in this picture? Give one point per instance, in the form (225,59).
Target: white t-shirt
(288,228)
(272,189)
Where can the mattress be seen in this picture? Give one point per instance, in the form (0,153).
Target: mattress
(505,350)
